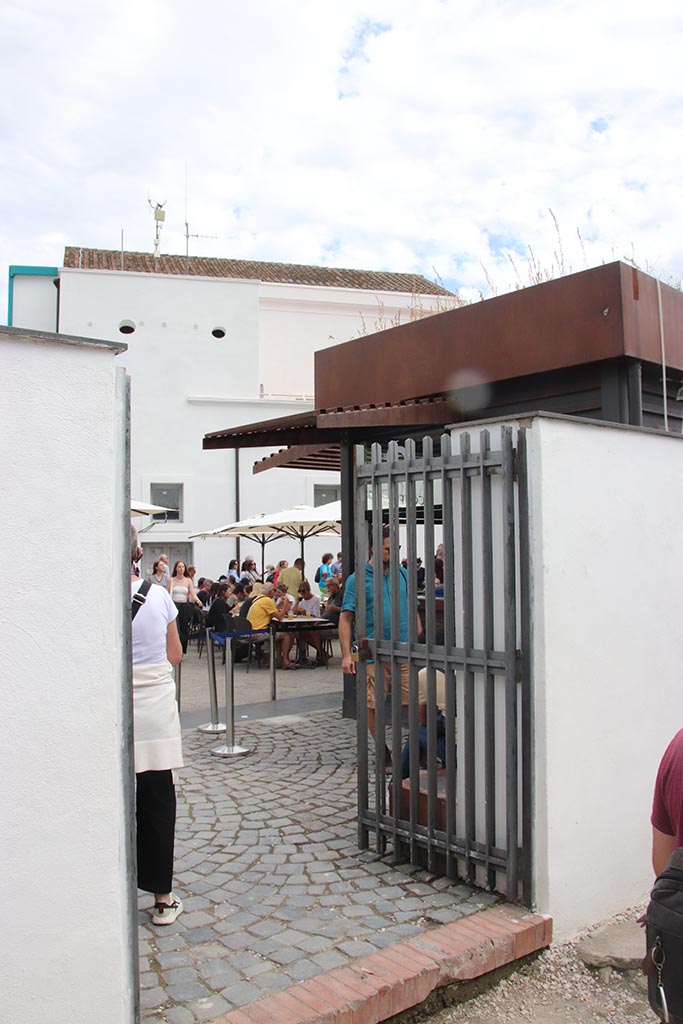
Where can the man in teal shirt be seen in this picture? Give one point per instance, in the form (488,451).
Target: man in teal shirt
(346,623)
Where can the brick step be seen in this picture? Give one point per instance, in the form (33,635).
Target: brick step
(376,987)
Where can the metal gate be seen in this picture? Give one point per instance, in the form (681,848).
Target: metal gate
(462,807)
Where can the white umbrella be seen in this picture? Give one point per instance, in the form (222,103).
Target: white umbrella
(303,521)
(143,508)
(255,529)
(299,522)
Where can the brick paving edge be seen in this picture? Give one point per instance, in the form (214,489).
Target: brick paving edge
(379,986)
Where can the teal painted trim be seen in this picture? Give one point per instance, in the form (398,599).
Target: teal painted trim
(17,271)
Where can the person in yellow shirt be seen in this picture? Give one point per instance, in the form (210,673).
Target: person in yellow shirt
(261,613)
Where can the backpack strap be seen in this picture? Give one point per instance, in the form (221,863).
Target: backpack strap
(139,598)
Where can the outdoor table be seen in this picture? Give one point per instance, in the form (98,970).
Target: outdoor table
(230,749)
(299,624)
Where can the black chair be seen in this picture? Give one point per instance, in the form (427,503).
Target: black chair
(254,639)
(198,630)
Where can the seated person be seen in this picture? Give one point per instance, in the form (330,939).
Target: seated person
(239,595)
(308,604)
(204,591)
(283,599)
(262,611)
(334,600)
(246,601)
(221,607)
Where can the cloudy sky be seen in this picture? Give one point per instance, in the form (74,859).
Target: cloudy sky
(444,137)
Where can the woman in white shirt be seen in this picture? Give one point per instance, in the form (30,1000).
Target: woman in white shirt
(158,749)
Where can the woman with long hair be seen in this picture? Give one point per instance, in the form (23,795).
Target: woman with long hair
(282,564)
(234,570)
(159,574)
(184,597)
(249,572)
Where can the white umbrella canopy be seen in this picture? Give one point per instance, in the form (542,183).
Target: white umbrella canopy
(299,522)
(143,508)
(255,529)
(303,521)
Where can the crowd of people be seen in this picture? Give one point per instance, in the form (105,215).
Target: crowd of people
(281,592)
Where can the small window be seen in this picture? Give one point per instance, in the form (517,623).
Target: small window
(323,494)
(126,327)
(218,332)
(171,497)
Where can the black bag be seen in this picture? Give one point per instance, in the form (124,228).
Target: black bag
(663,963)
(317,574)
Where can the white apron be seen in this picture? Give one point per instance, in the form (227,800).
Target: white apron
(158,743)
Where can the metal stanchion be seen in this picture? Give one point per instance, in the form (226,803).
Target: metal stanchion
(273,694)
(229,749)
(214,726)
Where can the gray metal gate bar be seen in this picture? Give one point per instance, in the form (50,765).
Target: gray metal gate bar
(468,811)
(525,665)
(511,774)
(487,632)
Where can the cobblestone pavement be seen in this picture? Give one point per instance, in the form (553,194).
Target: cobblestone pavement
(274,886)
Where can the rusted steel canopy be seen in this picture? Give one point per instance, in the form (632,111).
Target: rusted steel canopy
(599,314)
(425,412)
(297,429)
(314,456)
(586,345)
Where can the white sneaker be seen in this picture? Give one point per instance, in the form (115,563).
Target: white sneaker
(166,913)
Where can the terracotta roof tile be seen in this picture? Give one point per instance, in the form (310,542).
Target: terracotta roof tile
(288,273)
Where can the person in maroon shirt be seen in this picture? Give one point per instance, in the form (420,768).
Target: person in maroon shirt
(667,805)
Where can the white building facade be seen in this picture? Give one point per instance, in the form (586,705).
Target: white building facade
(207,352)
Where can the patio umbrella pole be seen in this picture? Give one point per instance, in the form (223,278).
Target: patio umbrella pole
(214,726)
(229,749)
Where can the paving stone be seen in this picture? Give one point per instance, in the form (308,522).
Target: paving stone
(211,968)
(152,997)
(266,928)
(355,948)
(179,975)
(200,935)
(197,919)
(179,1015)
(168,943)
(209,1007)
(240,994)
(186,991)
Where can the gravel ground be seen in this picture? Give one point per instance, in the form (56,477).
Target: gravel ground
(556,988)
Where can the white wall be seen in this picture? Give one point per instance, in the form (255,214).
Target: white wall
(297,320)
(34,301)
(607,551)
(68,931)
(185,383)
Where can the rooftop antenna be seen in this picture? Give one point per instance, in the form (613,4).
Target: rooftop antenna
(188,236)
(159,218)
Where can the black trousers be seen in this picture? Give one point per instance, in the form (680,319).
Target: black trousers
(155,808)
(185,616)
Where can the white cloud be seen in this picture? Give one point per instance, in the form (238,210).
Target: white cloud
(382,134)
